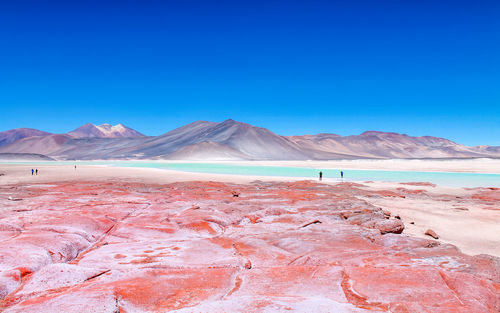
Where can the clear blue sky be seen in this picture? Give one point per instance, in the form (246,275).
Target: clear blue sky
(295,67)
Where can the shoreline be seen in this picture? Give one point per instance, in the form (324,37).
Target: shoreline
(275,171)
(19,173)
(479,166)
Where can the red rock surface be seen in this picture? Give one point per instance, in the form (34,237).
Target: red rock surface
(195,247)
(488,195)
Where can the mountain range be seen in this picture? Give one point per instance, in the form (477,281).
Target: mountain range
(228,140)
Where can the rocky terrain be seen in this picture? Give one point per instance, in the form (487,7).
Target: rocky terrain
(231,140)
(220,247)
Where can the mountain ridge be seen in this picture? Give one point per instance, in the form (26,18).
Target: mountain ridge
(233,140)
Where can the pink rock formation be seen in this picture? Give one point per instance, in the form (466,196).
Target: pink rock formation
(431,233)
(194,247)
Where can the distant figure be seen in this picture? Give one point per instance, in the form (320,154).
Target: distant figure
(75,167)
(320,176)
(36,172)
(32,172)
(341,174)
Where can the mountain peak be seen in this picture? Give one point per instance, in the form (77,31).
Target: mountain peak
(378,133)
(229,121)
(90,130)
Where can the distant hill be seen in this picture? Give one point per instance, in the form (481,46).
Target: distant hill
(374,144)
(24,157)
(13,135)
(232,140)
(46,145)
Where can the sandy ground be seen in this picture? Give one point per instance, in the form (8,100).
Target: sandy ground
(53,173)
(471,226)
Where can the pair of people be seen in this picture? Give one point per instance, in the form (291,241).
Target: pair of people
(34,172)
(321,175)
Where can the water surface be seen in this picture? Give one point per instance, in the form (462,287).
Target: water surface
(453,179)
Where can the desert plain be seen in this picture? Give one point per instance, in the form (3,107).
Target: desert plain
(111,239)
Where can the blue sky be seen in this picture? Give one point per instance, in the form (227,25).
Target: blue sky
(295,67)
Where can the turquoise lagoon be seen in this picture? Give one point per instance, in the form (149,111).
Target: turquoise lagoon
(453,179)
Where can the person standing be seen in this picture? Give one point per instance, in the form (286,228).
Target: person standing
(36,172)
(320,175)
(341,174)
(32,172)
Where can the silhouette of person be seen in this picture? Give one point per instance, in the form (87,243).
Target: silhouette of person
(341,174)
(32,172)
(36,172)
(320,176)
(75,167)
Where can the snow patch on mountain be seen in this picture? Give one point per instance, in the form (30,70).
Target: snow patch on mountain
(104,131)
